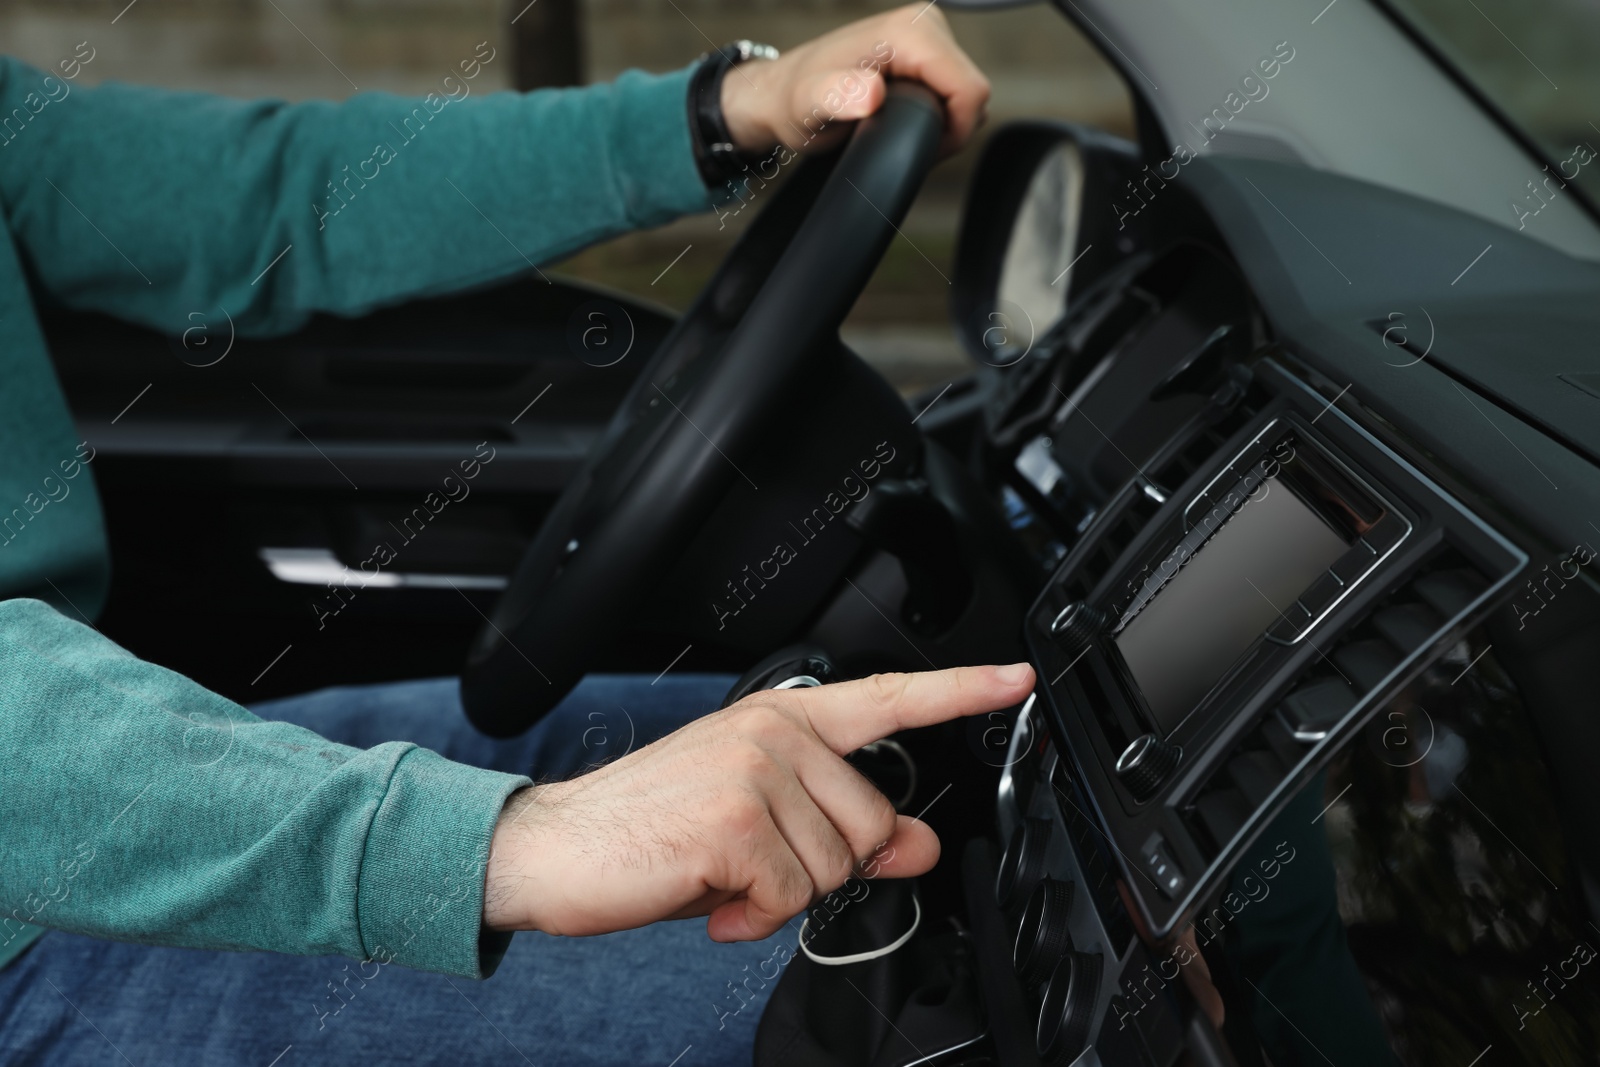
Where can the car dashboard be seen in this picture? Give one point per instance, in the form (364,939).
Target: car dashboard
(1300,745)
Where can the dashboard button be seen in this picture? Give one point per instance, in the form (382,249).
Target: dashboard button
(1323,592)
(1390,531)
(1350,567)
(1293,621)
(1161,867)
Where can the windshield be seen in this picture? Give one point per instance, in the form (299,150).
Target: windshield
(1536,61)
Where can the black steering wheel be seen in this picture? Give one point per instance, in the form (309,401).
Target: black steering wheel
(673,448)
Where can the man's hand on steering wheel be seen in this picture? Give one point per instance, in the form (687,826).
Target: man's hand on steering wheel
(747,815)
(839,77)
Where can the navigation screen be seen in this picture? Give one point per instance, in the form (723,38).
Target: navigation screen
(1221,600)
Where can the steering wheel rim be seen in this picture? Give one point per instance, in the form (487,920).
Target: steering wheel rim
(671,451)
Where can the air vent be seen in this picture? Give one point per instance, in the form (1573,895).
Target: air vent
(1099,875)
(1123,522)
(1217,427)
(1365,655)
(1108,326)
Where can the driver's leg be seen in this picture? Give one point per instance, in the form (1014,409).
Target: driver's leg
(637,997)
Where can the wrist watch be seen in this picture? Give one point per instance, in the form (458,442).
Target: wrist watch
(719,161)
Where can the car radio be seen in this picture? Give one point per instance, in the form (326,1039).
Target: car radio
(1204,648)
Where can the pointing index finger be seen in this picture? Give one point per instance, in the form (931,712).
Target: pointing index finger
(847,715)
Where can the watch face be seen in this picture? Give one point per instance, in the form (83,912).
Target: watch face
(745,49)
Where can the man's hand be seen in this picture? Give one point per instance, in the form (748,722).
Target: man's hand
(747,815)
(803,98)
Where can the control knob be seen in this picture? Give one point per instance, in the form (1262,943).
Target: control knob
(1145,764)
(1022,865)
(1068,1011)
(1045,933)
(1076,626)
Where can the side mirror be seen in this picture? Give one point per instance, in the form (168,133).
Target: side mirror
(1040,215)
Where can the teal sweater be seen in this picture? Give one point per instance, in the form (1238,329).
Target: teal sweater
(135,804)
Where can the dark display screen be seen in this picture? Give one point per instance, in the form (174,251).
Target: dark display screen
(1229,592)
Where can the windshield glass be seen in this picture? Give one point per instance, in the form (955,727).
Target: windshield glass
(1536,60)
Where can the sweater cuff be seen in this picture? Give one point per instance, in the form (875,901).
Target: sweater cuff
(651,150)
(419,898)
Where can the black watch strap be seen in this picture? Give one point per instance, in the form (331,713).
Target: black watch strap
(715,155)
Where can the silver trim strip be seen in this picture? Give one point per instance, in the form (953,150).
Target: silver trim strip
(319,566)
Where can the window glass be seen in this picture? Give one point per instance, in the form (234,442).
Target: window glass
(1537,60)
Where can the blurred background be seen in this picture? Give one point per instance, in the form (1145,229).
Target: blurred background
(1535,57)
(300,49)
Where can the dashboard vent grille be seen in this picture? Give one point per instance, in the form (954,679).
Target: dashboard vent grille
(1087,842)
(1364,656)
(1209,438)
(1125,522)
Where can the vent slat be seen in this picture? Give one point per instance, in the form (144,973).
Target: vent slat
(1450,591)
(1313,709)
(1210,439)
(1223,813)
(1366,663)
(1407,626)
(1139,510)
(1276,735)
(1368,651)
(1255,775)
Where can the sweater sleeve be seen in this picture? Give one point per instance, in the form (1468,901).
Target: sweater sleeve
(139,806)
(150,205)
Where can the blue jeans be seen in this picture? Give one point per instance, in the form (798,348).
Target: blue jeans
(638,997)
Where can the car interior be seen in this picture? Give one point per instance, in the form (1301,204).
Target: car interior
(1289,500)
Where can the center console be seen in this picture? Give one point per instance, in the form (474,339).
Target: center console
(1214,633)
